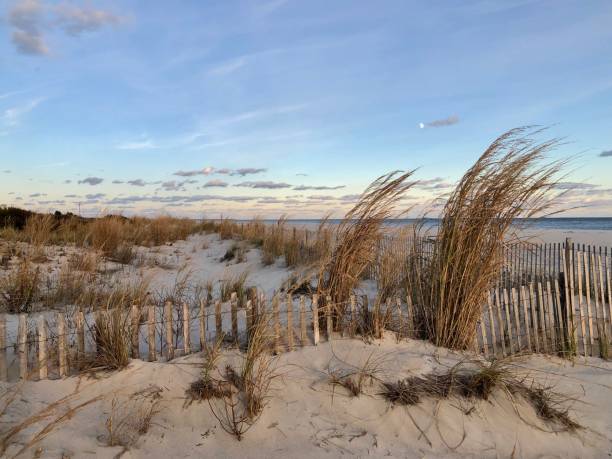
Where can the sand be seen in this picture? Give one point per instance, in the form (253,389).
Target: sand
(307,417)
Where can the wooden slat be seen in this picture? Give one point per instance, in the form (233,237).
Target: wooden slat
(508,323)
(523,299)
(42,347)
(277,330)
(186,329)
(315,319)
(400,318)
(80,327)
(500,322)
(353,317)
(602,293)
(491,324)
(550,317)
(202,323)
(581,314)
(3,349)
(22,346)
(515,307)
(545,345)
(534,317)
(587,287)
(608,279)
(328,316)
(290,343)
(561,336)
(135,322)
(168,316)
(568,285)
(303,332)
(151,333)
(410,316)
(218,320)
(62,338)
(234,315)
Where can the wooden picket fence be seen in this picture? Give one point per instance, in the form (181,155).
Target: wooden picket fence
(554,299)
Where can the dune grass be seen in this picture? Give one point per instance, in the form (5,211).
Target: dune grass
(510,180)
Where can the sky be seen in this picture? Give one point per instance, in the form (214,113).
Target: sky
(243,107)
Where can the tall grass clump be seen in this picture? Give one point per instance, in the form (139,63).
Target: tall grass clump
(20,288)
(274,241)
(510,180)
(111,335)
(356,238)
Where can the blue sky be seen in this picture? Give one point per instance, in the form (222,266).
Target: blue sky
(289,106)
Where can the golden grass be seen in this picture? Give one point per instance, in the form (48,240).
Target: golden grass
(510,180)
(356,238)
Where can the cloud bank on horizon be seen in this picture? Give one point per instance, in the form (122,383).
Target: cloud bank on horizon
(298,105)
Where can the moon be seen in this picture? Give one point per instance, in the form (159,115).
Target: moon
(422,125)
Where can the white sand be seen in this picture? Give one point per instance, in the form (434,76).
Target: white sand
(306,417)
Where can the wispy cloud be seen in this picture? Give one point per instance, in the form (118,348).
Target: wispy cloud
(215,183)
(247,171)
(25,18)
(264,185)
(12,116)
(449,121)
(204,171)
(227,67)
(75,20)
(224,171)
(7,171)
(319,188)
(91,181)
(605,154)
(146,144)
(30,18)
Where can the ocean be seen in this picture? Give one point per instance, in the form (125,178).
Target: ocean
(561,223)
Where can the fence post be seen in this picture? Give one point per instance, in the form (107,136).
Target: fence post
(277,331)
(202,321)
(135,331)
(80,326)
(400,318)
(534,316)
(303,333)
(328,315)
(290,321)
(151,332)
(42,347)
(491,324)
(249,321)
(186,329)
(315,319)
(218,320)
(62,351)
(508,323)
(515,306)
(169,331)
(3,349)
(353,318)
(523,299)
(234,316)
(23,347)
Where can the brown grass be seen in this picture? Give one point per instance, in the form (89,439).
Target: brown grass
(21,288)
(509,181)
(477,380)
(356,238)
